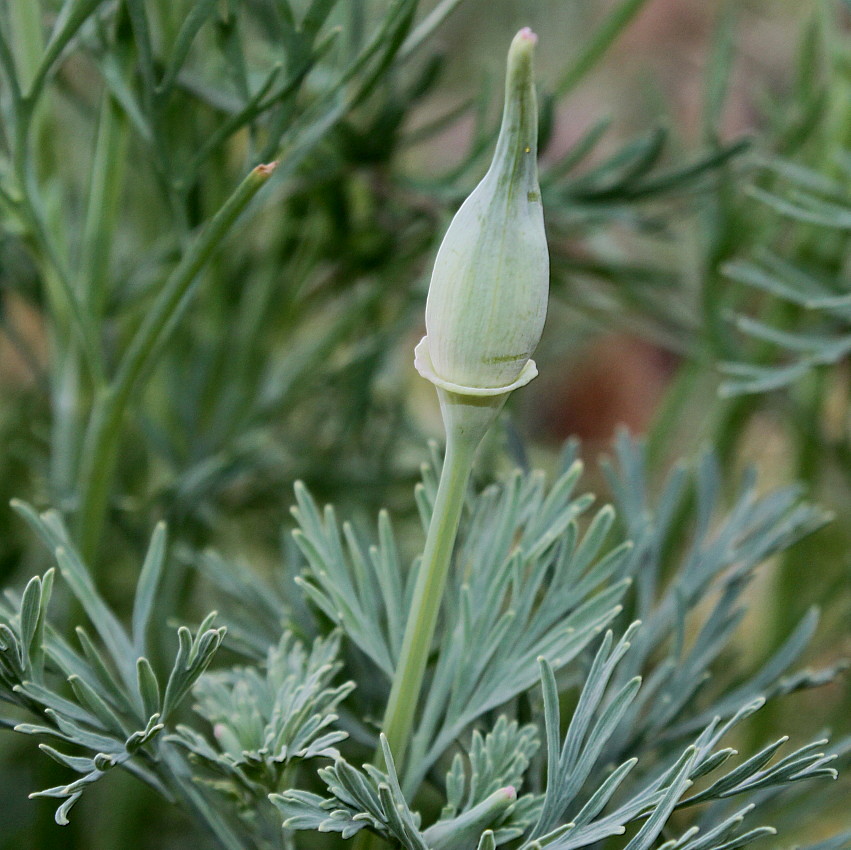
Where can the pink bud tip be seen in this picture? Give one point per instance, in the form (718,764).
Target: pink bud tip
(510,792)
(528,35)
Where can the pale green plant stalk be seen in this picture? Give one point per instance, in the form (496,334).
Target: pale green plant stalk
(428,593)
(36,159)
(466,421)
(485,313)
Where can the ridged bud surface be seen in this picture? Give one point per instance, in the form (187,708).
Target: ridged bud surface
(487,299)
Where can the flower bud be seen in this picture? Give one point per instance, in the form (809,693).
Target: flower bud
(487,300)
(465,830)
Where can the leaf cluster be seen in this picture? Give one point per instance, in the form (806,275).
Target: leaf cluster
(650,712)
(652,709)
(263,720)
(118,706)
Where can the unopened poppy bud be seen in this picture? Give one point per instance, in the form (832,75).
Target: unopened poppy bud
(487,300)
(465,830)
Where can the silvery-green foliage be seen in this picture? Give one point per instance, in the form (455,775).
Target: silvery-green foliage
(636,727)
(818,288)
(632,751)
(359,799)
(517,540)
(118,705)
(263,718)
(718,555)
(661,791)
(493,761)
(372,798)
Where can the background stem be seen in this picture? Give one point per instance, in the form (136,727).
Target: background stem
(104,430)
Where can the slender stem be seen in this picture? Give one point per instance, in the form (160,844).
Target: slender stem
(104,431)
(428,593)
(90,284)
(57,43)
(105,185)
(33,158)
(27,38)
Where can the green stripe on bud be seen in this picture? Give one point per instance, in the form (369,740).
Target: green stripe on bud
(487,300)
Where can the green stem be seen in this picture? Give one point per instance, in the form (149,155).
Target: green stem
(27,38)
(104,430)
(428,593)
(102,208)
(105,184)
(425,607)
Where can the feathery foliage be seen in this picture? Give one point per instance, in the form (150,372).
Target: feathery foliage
(647,723)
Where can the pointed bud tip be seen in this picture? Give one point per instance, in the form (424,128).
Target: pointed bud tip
(266,169)
(523,46)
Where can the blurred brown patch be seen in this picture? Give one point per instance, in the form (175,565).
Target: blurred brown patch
(671,42)
(617,380)
(23,347)
(679,25)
